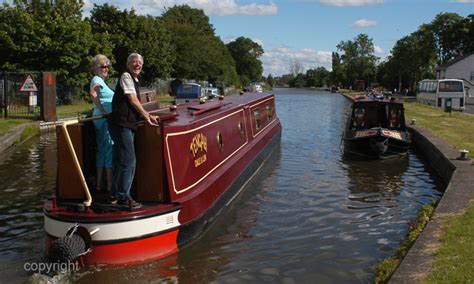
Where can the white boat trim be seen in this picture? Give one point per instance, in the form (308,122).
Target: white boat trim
(110,231)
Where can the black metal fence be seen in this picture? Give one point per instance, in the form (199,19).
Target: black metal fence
(21,94)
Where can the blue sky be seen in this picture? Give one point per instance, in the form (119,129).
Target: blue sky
(307,31)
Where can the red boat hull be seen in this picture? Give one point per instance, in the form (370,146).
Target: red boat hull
(188,169)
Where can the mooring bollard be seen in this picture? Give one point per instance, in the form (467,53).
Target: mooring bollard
(463,155)
(413,121)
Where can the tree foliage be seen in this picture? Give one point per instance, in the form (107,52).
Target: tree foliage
(129,32)
(357,59)
(246,54)
(40,35)
(200,54)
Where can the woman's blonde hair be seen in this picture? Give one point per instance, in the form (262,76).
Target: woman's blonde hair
(98,61)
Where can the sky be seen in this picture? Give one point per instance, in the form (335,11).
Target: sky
(307,31)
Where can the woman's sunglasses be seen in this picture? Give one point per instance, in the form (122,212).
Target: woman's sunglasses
(104,67)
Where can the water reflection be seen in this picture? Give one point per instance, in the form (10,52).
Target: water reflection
(28,176)
(375,181)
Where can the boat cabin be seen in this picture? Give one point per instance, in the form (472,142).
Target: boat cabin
(369,113)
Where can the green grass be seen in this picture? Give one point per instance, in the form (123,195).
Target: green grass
(454,261)
(456,128)
(77,109)
(8,124)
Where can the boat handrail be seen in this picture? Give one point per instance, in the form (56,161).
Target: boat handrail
(64,125)
(202,108)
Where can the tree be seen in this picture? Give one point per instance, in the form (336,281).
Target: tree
(246,54)
(317,77)
(450,32)
(337,74)
(357,59)
(296,67)
(129,33)
(200,54)
(299,81)
(44,35)
(413,58)
(270,80)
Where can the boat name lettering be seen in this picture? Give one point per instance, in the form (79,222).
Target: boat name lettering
(199,143)
(393,134)
(200,160)
(364,133)
(198,149)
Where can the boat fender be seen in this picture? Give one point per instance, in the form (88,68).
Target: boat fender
(74,244)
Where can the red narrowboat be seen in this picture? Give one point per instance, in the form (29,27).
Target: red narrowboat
(188,168)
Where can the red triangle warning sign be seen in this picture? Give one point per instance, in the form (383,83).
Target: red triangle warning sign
(28,85)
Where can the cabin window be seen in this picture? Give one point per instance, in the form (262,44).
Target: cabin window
(268,110)
(256,115)
(394,118)
(359,117)
(241,129)
(220,141)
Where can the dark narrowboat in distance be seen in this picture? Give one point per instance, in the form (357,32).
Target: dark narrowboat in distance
(188,168)
(376,128)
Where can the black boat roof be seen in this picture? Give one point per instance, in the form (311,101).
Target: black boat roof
(376,100)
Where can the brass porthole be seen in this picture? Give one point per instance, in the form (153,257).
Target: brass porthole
(220,141)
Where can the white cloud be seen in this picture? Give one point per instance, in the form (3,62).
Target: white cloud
(378,49)
(364,23)
(277,61)
(350,3)
(215,7)
(463,1)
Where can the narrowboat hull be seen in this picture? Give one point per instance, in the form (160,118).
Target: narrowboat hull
(376,129)
(376,143)
(188,170)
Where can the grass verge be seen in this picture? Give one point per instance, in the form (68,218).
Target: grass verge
(77,109)
(8,124)
(455,259)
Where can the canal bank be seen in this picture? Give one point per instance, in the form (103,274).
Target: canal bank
(17,135)
(459,176)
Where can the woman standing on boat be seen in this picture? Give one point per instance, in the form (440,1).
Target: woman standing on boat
(102,96)
(127,111)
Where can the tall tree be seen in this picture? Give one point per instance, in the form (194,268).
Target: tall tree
(337,74)
(295,67)
(449,31)
(270,80)
(47,36)
(200,54)
(358,59)
(413,58)
(246,54)
(129,32)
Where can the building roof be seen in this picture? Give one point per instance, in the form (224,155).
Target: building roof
(455,60)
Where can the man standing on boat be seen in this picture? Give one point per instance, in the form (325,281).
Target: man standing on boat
(127,111)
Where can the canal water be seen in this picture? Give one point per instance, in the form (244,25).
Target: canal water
(309,215)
